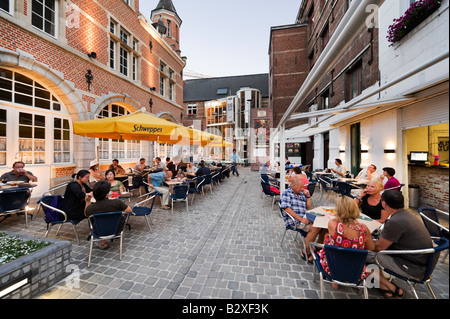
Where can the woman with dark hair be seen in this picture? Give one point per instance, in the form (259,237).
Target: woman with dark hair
(104,205)
(392,183)
(116,186)
(77,196)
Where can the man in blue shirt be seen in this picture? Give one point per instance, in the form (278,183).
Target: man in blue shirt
(156,181)
(295,201)
(235,159)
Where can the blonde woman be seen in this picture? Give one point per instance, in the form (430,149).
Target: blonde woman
(370,201)
(345,231)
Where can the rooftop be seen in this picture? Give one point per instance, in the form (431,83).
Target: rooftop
(207,89)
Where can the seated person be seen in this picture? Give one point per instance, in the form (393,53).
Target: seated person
(116,186)
(367,174)
(340,170)
(95,173)
(174,165)
(297,171)
(346,231)
(138,169)
(403,231)
(118,170)
(203,170)
(266,168)
(296,201)
(191,169)
(77,196)
(19,174)
(104,205)
(159,166)
(392,183)
(370,201)
(155,181)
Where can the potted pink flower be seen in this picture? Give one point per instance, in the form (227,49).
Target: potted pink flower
(415,15)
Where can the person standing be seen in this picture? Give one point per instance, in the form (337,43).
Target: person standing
(235,159)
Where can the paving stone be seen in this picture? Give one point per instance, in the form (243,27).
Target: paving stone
(226,247)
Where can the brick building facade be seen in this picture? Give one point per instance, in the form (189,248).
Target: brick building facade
(47,50)
(294,51)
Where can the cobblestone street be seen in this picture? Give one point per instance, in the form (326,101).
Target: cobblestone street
(226,247)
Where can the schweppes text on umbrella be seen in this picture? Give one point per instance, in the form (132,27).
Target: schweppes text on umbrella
(151,130)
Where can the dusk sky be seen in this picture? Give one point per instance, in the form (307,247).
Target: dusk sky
(224,38)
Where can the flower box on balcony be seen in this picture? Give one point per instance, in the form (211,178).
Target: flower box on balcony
(415,15)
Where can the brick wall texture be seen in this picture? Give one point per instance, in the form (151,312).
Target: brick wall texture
(92,34)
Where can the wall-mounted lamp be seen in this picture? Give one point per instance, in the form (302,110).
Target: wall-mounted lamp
(92,55)
(341,151)
(151,104)
(153,89)
(18,283)
(150,44)
(89,78)
(364,151)
(389,151)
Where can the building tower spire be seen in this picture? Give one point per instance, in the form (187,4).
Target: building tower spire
(166,15)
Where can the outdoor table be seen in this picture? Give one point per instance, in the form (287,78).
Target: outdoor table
(174,182)
(324,214)
(9,202)
(359,183)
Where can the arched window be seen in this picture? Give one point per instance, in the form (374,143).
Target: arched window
(116,149)
(34,126)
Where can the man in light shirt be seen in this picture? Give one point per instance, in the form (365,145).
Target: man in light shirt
(368,174)
(339,171)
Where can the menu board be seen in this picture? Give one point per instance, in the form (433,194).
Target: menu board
(293,149)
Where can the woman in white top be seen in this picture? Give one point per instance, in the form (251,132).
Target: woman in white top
(191,169)
(95,173)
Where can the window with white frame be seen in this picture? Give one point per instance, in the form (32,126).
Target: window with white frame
(123,51)
(61,140)
(32,144)
(192,109)
(39,113)
(44,14)
(169,28)
(135,68)
(7,5)
(112,54)
(117,149)
(124,61)
(162,86)
(171,87)
(20,89)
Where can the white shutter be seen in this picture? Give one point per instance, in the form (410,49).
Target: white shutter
(429,112)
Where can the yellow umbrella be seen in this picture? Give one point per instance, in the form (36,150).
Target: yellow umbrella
(136,126)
